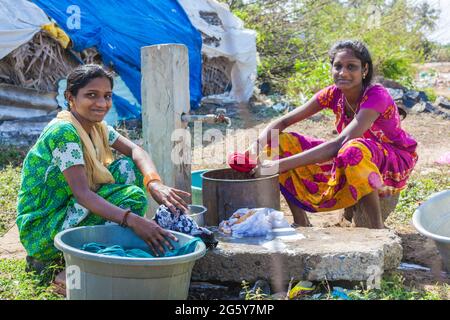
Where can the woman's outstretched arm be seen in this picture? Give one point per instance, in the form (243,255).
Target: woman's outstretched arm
(325,151)
(162,194)
(148,230)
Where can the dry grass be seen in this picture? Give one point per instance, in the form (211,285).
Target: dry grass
(37,64)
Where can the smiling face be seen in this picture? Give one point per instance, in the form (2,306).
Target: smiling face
(92,101)
(347,70)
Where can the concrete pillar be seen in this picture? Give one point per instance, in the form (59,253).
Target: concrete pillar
(165,97)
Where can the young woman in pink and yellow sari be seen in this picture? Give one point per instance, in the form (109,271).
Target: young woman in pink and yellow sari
(371,157)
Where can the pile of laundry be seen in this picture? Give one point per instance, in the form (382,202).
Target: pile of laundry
(178,222)
(183,223)
(257,222)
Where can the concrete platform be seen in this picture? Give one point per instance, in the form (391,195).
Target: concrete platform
(315,254)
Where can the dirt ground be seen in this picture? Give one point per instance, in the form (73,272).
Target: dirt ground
(433,136)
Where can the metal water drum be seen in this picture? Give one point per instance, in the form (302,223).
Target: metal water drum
(197,213)
(225,191)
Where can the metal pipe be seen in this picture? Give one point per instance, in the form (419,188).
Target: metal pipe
(207,118)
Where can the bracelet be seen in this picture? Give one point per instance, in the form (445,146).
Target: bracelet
(149,177)
(124,222)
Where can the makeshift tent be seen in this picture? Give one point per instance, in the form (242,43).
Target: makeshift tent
(118,29)
(227,43)
(35,55)
(20,20)
(42,62)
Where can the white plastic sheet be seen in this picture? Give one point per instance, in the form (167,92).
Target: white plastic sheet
(20,20)
(257,222)
(235,42)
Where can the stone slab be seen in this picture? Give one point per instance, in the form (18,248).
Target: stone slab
(333,254)
(10,246)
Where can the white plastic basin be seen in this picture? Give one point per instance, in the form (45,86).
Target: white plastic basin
(432,219)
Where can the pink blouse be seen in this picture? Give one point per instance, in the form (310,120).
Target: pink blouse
(385,129)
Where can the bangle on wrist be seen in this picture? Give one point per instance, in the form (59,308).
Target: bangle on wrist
(124,222)
(149,177)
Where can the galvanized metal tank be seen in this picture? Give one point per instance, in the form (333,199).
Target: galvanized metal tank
(225,190)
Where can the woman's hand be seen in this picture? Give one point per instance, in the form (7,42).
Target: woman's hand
(149,231)
(266,168)
(170,197)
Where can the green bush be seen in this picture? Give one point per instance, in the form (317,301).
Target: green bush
(431,94)
(309,78)
(294,38)
(440,53)
(399,69)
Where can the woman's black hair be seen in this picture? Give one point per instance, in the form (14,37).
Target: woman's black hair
(360,51)
(83,74)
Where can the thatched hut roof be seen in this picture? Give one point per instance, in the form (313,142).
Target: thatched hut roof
(37,64)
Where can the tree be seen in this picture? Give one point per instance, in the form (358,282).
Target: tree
(234,4)
(294,37)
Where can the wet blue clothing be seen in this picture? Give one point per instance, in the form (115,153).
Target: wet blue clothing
(119,251)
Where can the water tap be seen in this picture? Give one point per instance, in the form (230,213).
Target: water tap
(221,112)
(219,117)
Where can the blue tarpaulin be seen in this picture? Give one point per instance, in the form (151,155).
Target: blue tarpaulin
(118,29)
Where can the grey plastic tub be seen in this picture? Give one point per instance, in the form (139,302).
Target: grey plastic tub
(95,276)
(432,219)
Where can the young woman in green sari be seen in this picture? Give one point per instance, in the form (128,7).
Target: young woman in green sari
(69,178)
